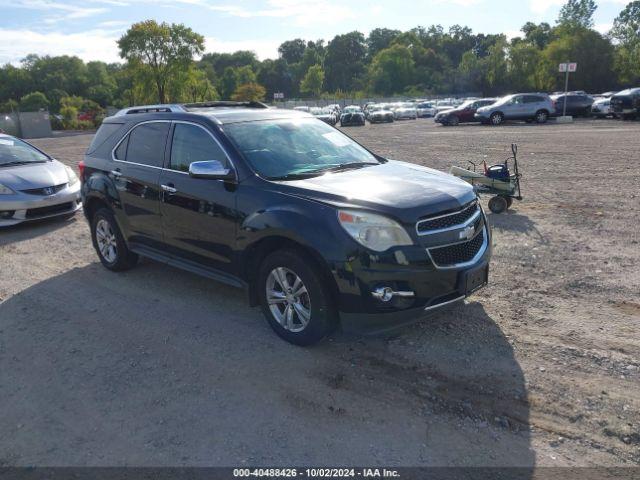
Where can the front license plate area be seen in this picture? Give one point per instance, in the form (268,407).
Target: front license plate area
(475,279)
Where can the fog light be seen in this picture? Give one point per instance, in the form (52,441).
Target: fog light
(6,213)
(386,294)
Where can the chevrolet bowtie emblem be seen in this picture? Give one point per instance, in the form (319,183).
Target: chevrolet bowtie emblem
(467,233)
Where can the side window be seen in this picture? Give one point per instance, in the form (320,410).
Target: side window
(121,151)
(147,142)
(193,144)
(519,100)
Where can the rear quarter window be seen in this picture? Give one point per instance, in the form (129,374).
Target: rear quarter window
(104,133)
(147,143)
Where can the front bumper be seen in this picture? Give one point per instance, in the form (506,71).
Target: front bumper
(23,207)
(407,269)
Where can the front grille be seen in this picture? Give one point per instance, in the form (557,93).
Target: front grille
(51,210)
(45,190)
(447,221)
(457,253)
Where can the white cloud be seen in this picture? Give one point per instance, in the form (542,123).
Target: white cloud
(90,45)
(541,6)
(69,10)
(263,49)
(603,27)
(302,12)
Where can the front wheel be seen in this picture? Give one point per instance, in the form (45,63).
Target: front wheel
(295,298)
(454,121)
(496,118)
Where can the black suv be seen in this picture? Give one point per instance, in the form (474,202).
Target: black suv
(577,104)
(318,229)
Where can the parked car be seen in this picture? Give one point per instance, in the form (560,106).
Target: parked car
(626,104)
(521,106)
(577,104)
(601,108)
(379,114)
(317,228)
(426,110)
(33,185)
(302,108)
(352,116)
(325,114)
(464,113)
(405,111)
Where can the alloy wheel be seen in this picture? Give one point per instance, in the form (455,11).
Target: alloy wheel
(288,299)
(106,239)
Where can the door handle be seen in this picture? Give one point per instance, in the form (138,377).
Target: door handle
(116,173)
(168,188)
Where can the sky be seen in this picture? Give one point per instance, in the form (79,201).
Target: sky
(90,28)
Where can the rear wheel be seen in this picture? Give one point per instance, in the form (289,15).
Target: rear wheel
(109,242)
(542,116)
(295,298)
(496,118)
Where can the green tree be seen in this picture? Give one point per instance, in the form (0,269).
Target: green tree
(379,39)
(345,62)
(626,31)
(292,50)
(163,49)
(523,63)
(593,53)
(34,101)
(392,70)
(249,92)
(577,13)
(228,82)
(538,35)
(313,81)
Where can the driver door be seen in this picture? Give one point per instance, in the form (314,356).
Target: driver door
(198,215)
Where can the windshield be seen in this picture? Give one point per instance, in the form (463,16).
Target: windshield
(17,152)
(281,149)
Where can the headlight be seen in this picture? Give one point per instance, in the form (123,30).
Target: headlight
(73,178)
(373,231)
(5,190)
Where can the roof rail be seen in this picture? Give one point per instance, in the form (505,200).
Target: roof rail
(177,107)
(223,104)
(162,108)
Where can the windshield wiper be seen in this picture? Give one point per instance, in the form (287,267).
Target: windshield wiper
(321,171)
(9,164)
(346,166)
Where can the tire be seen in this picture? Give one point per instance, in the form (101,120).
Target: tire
(542,116)
(454,121)
(509,201)
(109,243)
(496,118)
(315,301)
(497,204)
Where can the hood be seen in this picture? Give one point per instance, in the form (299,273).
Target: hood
(381,112)
(402,190)
(37,175)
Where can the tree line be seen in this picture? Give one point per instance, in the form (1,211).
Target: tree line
(167,63)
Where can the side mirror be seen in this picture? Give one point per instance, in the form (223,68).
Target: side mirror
(211,169)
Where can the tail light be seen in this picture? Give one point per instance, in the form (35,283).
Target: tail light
(81,169)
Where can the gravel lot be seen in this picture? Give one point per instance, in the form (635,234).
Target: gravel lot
(157,367)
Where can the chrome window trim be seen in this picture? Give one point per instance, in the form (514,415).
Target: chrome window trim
(470,220)
(113,150)
(483,248)
(224,150)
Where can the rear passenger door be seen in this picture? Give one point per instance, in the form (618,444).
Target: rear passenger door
(198,215)
(138,160)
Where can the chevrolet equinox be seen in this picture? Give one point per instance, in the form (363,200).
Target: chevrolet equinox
(318,230)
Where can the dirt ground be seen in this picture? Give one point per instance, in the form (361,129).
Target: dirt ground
(157,367)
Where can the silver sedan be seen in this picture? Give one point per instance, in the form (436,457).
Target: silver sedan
(33,185)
